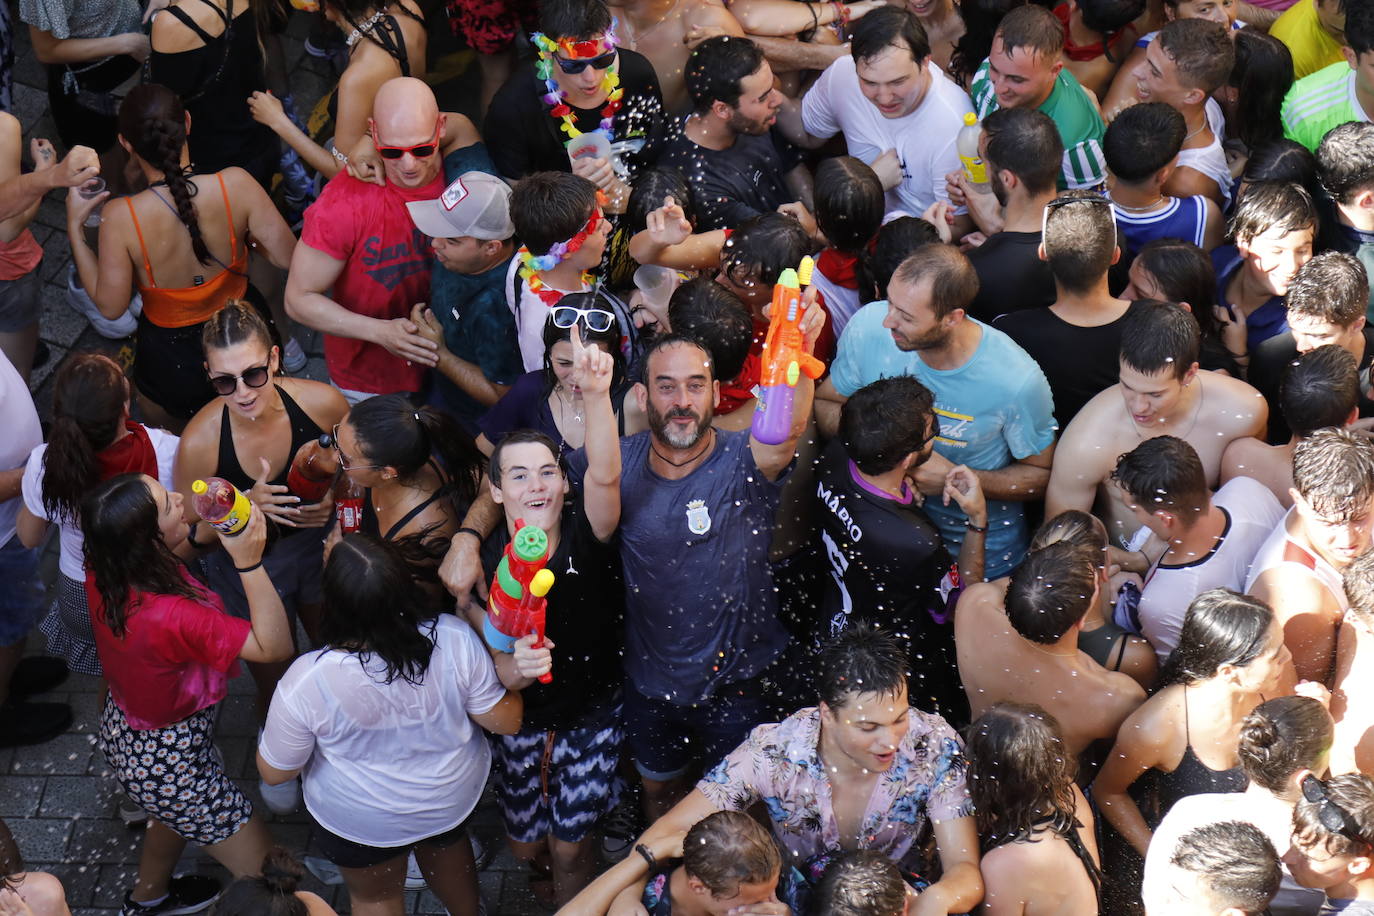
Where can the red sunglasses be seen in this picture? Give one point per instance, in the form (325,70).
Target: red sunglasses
(419,150)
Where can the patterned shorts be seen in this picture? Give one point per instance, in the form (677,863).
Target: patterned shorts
(557,782)
(176,774)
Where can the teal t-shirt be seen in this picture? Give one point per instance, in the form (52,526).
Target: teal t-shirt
(994,409)
(1073,112)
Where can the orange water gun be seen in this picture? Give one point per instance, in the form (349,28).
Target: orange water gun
(784,358)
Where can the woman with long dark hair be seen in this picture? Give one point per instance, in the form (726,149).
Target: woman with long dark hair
(91,439)
(849,209)
(1253,94)
(406,679)
(1034,825)
(1230,656)
(1173,270)
(168,650)
(183,243)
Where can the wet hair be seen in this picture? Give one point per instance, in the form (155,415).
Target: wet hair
(849,210)
(717,319)
(1333,471)
(1235,860)
(1282,736)
(862,882)
(1164,472)
(88,398)
(1201,50)
(674,339)
(273,893)
(239,321)
(1080,240)
(716,68)
(953,281)
(1220,627)
(1261,76)
(1076,527)
(1353,793)
(896,242)
(579,20)
(550,207)
(1282,160)
(647,196)
(1359,27)
(1345,160)
(363,576)
(1158,336)
(885,421)
(609,338)
(1268,206)
(1331,287)
(729,848)
(862,659)
(124,550)
(521,437)
(1106,17)
(1051,591)
(1184,273)
(1142,140)
(1034,29)
(981,18)
(762,247)
(1025,142)
(393,432)
(1319,389)
(890,25)
(1357,581)
(153,122)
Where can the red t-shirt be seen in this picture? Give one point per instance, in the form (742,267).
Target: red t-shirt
(740,389)
(176,655)
(386,271)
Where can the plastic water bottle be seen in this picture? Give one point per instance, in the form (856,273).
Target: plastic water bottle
(221,504)
(967,145)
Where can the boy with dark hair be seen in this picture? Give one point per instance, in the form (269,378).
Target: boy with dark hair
(1142,150)
(1333,841)
(736,164)
(1189,61)
(1339,91)
(887,562)
(710,313)
(860,883)
(1224,869)
(1209,540)
(1096,38)
(1345,162)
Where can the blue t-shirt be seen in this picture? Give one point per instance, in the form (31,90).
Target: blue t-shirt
(1269,320)
(700,608)
(994,409)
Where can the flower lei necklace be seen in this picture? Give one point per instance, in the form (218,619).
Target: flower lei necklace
(556,98)
(533,265)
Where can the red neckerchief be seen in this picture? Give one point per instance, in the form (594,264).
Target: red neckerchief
(839,268)
(133,454)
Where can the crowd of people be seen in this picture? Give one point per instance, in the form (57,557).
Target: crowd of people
(854,459)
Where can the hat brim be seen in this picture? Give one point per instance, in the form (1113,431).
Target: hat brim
(428,217)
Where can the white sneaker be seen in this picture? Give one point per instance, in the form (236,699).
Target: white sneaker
(293,358)
(281,799)
(415,879)
(119,328)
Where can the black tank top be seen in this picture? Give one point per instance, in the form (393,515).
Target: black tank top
(1192,776)
(303,430)
(387,34)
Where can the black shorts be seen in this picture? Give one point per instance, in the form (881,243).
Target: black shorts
(348,854)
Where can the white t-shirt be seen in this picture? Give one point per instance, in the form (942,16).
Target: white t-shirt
(530,314)
(1271,815)
(924,140)
(22,431)
(1210,160)
(1252,512)
(70,561)
(387,764)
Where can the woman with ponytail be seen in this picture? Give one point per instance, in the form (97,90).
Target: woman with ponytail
(91,439)
(183,242)
(849,210)
(419,471)
(273,893)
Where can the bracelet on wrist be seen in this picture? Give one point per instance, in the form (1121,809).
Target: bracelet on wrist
(472,531)
(647,855)
(981,529)
(244,570)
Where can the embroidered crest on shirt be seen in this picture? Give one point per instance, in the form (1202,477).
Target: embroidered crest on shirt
(698,516)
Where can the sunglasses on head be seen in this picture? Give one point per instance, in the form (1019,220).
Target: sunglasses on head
(419,150)
(574,67)
(1329,814)
(565,316)
(226,385)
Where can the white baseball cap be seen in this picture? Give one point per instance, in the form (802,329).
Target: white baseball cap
(476,204)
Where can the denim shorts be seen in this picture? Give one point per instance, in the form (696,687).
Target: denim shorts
(21,593)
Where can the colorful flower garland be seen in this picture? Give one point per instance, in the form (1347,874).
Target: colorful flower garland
(533,265)
(556,98)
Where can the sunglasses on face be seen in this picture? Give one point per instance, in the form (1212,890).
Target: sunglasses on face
(934,431)
(419,150)
(226,385)
(574,67)
(565,316)
(1331,815)
(343,459)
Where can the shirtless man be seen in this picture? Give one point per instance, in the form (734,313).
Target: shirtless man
(658,29)
(1298,570)
(1352,751)
(1320,389)
(1028,650)
(1161,392)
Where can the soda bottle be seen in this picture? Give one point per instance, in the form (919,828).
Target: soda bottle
(967,145)
(348,504)
(221,504)
(313,469)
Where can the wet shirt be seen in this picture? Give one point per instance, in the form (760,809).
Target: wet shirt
(731,185)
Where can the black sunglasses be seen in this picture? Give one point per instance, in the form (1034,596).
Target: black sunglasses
(574,67)
(934,431)
(1331,815)
(226,385)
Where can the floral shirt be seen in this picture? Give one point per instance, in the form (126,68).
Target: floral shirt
(780,765)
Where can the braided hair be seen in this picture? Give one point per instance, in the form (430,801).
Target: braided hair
(153,122)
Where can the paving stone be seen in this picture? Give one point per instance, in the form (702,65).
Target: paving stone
(41,839)
(78,796)
(65,755)
(20,795)
(59,323)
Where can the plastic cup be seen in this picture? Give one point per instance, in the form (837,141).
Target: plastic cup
(93,188)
